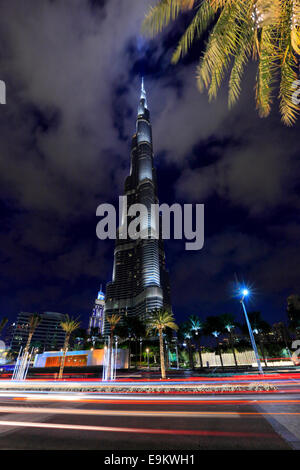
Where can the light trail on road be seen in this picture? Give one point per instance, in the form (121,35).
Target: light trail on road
(125,399)
(168,414)
(94,420)
(188,432)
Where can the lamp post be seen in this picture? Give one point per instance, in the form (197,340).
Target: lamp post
(245,293)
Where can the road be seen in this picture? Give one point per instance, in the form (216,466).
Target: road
(94,421)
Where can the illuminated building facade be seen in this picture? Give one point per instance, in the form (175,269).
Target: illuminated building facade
(140,281)
(91,357)
(97,317)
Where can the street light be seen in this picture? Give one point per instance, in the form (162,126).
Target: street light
(245,293)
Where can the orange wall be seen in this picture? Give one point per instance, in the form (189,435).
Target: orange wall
(55,361)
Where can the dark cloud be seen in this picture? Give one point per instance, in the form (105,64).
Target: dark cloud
(73,71)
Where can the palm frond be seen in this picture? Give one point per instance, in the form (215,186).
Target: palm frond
(243,55)
(288,64)
(267,31)
(114,319)
(34,321)
(267,71)
(3,322)
(222,46)
(70,324)
(288,109)
(160,320)
(161,15)
(198,26)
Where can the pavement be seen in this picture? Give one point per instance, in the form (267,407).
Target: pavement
(123,422)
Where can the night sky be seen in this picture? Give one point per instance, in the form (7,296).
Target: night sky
(72,70)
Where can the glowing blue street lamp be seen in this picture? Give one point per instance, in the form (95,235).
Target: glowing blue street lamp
(245,293)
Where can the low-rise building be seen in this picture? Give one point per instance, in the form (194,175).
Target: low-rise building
(92,357)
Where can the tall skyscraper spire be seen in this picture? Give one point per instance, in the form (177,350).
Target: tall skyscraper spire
(143,92)
(140,281)
(143,99)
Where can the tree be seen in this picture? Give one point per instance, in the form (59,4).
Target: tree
(266,31)
(293,311)
(69,325)
(3,324)
(228,325)
(213,326)
(131,329)
(11,356)
(196,326)
(186,334)
(260,328)
(113,320)
(34,321)
(159,320)
(95,337)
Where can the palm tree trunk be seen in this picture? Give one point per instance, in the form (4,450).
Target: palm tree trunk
(262,351)
(221,359)
(233,351)
(111,338)
(63,359)
(220,354)
(162,356)
(200,354)
(191,359)
(167,362)
(129,354)
(136,354)
(28,342)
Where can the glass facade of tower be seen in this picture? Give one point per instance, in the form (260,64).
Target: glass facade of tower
(140,280)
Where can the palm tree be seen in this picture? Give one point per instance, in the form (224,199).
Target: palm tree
(229,324)
(2,324)
(159,320)
(196,325)
(69,325)
(34,321)
(267,31)
(260,327)
(113,320)
(213,326)
(186,335)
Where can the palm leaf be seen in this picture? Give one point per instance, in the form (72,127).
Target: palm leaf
(161,14)
(70,324)
(267,71)
(198,26)
(3,323)
(221,48)
(289,64)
